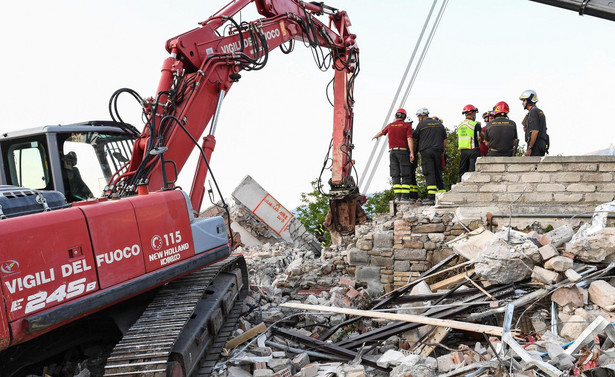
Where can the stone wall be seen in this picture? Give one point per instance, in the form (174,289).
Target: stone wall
(572,184)
(393,249)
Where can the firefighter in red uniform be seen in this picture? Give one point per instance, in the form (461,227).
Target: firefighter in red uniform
(501,134)
(401,157)
(468,136)
(431,136)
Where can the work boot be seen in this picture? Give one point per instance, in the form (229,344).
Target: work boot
(398,197)
(405,197)
(431,200)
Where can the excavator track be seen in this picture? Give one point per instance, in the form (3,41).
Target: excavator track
(182,331)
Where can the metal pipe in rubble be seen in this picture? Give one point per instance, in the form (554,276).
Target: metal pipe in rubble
(298,350)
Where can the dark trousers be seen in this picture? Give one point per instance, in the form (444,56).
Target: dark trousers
(467,161)
(540,148)
(403,173)
(431,162)
(506,153)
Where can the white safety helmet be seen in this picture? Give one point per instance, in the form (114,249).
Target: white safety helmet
(422,111)
(529,95)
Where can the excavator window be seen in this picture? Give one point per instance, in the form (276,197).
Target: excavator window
(28,165)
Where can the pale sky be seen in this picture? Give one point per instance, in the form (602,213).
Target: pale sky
(62,60)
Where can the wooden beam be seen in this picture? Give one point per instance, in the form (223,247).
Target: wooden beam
(254,331)
(433,339)
(452,280)
(491,330)
(427,277)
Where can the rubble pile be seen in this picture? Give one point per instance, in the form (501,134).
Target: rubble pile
(505,303)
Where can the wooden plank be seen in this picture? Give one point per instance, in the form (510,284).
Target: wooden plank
(427,277)
(435,337)
(452,280)
(254,331)
(491,330)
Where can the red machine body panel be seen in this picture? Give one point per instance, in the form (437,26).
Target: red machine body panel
(115,240)
(164,225)
(47,260)
(4,330)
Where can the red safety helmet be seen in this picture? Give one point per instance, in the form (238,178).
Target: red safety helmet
(501,108)
(401,114)
(468,109)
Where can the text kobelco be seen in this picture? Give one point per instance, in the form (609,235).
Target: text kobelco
(247,42)
(118,255)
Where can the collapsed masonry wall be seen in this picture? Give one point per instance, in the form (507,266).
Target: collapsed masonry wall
(570,185)
(394,249)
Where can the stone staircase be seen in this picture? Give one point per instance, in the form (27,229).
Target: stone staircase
(534,185)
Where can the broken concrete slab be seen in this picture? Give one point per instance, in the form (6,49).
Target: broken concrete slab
(594,248)
(474,242)
(502,263)
(573,276)
(573,327)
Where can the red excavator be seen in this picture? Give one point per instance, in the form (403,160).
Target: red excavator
(98,243)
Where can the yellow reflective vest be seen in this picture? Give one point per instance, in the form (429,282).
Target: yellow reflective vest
(465,134)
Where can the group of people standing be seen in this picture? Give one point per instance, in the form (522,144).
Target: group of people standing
(429,138)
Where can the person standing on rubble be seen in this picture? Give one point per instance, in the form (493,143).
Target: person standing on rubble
(534,125)
(469,138)
(401,156)
(431,136)
(501,134)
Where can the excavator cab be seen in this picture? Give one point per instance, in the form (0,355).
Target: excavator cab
(76,160)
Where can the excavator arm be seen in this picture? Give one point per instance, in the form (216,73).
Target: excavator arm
(597,8)
(203,65)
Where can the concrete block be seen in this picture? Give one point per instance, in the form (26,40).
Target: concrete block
(411,254)
(602,294)
(546,167)
(484,197)
(382,261)
(412,243)
(493,187)
(581,166)
(550,187)
(383,240)
(238,372)
(568,177)
(365,244)
(510,178)
(573,327)
(599,197)
(573,276)
(429,228)
(402,265)
(547,251)
(606,166)
(491,168)
(536,197)
(559,264)
(535,177)
(310,370)
(542,275)
(568,197)
(520,187)
(262,373)
(465,187)
(559,236)
(520,167)
(581,187)
(597,177)
(436,237)
(475,178)
(357,257)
